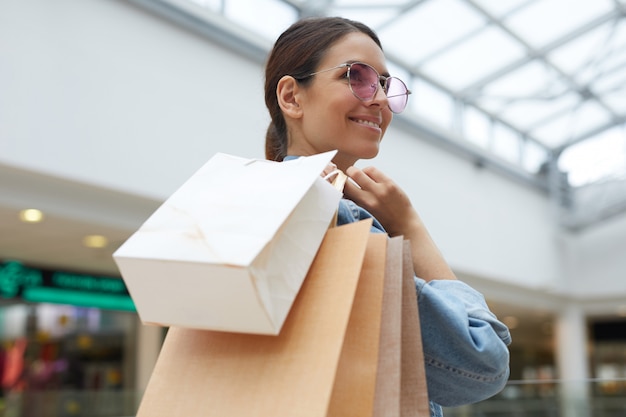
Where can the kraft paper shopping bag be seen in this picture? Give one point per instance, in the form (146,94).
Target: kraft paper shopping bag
(388,381)
(356,379)
(401,380)
(217,374)
(414,393)
(230,248)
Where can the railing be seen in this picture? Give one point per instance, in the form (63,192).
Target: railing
(592,398)
(552,398)
(71,403)
(579,207)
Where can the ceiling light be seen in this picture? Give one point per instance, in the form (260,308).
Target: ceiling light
(95,241)
(31,216)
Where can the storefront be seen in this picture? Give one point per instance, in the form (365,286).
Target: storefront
(65,337)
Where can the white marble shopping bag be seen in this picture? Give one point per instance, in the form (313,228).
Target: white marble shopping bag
(229,250)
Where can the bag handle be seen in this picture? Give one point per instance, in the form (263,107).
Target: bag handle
(338,182)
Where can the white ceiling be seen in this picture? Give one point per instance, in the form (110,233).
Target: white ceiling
(537,74)
(538,85)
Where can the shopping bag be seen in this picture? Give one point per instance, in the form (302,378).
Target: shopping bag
(230,248)
(388,381)
(414,392)
(336,354)
(356,380)
(401,376)
(293,374)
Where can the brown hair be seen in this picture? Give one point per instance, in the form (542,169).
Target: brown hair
(298,52)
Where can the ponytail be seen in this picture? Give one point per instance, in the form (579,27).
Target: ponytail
(276,142)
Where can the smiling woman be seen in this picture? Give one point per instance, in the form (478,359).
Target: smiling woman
(327,88)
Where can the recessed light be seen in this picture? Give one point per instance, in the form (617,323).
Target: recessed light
(95,241)
(31,216)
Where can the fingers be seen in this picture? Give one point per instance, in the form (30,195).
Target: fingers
(366,186)
(367,176)
(330,169)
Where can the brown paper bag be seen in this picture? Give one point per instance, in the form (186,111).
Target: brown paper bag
(208,373)
(332,358)
(414,395)
(401,380)
(356,379)
(387,396)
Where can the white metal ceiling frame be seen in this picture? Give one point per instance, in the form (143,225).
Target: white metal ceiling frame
(584,92)
(573,207)
(201,21)
(469,94)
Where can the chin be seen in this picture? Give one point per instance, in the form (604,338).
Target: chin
(370,154)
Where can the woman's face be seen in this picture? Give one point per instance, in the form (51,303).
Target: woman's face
(332,117)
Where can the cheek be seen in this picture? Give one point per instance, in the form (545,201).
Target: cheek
(387,117)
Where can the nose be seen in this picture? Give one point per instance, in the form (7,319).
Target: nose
(380,97)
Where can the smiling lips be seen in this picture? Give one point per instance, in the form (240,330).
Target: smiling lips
(367,123)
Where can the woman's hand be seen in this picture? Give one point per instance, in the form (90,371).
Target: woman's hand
(386,201)
(382,197)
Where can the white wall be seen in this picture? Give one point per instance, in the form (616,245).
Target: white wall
(102,92)
(596,265)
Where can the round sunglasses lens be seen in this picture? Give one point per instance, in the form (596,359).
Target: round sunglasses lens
(397,94)
(363,81)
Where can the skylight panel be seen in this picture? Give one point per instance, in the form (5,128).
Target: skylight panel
(370,3)
(611,82)
(528,80)
(431,103)
(214,5)
(547,20)
(476,127)
(576,122)
(593,53)
(506,143)
(527,95)
(613,90)
(474,59)
(597,158)
(499,8)
(534,157)
(268,18)
(372,17)
(429,27)
(524,114)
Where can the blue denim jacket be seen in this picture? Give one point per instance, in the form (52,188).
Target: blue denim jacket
(465,345)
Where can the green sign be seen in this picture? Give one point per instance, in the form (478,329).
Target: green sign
(46,286)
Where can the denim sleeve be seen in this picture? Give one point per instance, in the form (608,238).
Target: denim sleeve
(465,346)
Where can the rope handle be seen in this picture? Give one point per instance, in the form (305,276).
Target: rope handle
(339,181)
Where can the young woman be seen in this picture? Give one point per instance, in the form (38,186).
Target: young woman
(327,88)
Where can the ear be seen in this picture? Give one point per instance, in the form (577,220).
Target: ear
(288,93)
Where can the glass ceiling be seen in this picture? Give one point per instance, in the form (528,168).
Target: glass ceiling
(531,82)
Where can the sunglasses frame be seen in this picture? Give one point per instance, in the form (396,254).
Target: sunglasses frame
(383,82)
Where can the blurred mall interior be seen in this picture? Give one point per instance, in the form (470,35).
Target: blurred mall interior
(513,150)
